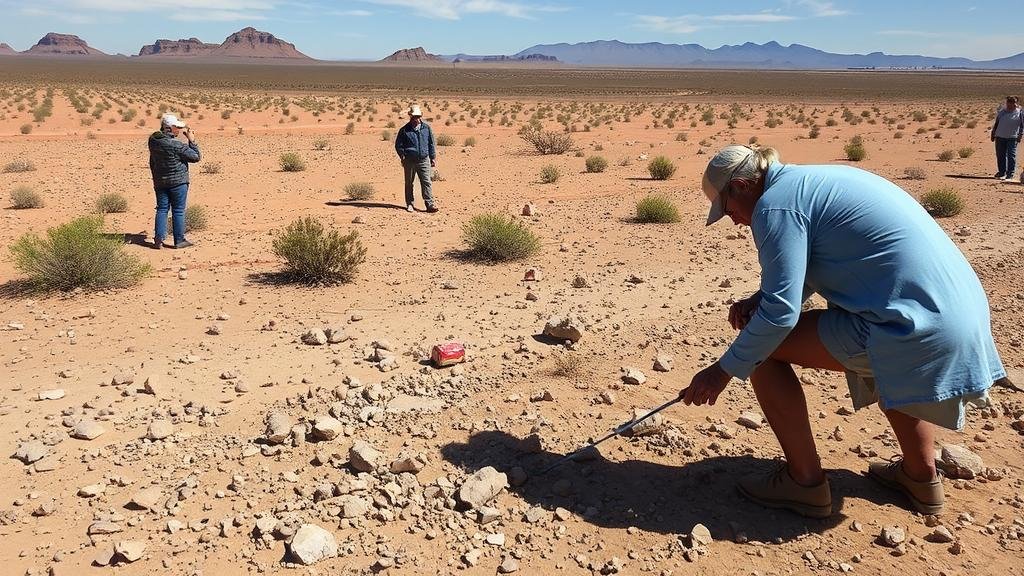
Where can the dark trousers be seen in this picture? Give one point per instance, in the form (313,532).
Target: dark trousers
(1006,156)
(414,167)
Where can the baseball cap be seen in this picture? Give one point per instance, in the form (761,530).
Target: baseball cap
(721,169)
(171,120)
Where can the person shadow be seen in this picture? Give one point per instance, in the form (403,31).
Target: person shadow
(363,204)
(660,498)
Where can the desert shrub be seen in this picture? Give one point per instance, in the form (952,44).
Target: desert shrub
(470,141)
(385,135)
(20,166)
(499,238)
(292,162)
(350,128)
(831,122)
(656,209)
(897,135)
(211,168)
(26,129)
(920,116)
(814,132)
(855,151)
(111,203)
(445,140)
(77,255)
(661,168)
(321,144)
(946,155)
(625,161)
(943,202)
(550,174)
(225,114)
(435,176)
(547,142)
(965,152)
(313,254)
(682,137)
(196,218)
(596,164)
(915,173)
(570,365)
(359,191)
(24,197)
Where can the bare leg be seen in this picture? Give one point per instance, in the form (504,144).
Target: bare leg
(917,440)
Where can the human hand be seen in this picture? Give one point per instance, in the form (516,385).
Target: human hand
(741,312)
(705,386)
(433,163)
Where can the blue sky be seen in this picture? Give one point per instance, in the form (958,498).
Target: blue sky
(372,29)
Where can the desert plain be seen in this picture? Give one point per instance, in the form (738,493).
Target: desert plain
(175,379)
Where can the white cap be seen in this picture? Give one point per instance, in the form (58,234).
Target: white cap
(171,120)
(720,171)
(414,110)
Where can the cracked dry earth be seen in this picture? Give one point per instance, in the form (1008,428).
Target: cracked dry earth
(185,426)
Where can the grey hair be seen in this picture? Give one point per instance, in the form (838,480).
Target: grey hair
(756,164)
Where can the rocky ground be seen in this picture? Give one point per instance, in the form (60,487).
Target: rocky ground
(211,422)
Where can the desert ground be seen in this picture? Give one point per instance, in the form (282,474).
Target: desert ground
(205,349)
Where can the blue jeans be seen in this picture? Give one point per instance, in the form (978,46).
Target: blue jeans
(1006,156)
(172,199)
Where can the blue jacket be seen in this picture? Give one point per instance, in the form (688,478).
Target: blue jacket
(869,248)
(169,158)
(414,143)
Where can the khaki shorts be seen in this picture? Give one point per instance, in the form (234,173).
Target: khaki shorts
(845,336)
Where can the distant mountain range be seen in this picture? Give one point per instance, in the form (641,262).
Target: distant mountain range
(749,55)
(253,45)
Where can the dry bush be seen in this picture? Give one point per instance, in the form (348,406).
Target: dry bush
(596,164)
(26,129)
(499,238)
(77,255)
(359,191)
(24,197)
(112,203)
(946,155)
(943,202)
(211,168)
(321,144)
(385,135)
(469,142)
(550,174)
(570,365)
(915,173)
(656,209)
(661,168)
(547,142)
(291,162)
(20,166)
(445,140)
(196,218)
(965,152)
(315,255)
(350,128)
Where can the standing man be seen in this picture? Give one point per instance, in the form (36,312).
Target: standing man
(1006,133)
(168,161)
(415,147)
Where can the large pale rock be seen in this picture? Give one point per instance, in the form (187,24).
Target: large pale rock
(159,429)
(314,337)
(564,328)
(87,429)
(326,427)
(413,463)
(312,544)
(130,550)
(32,451)
(649,427)
(663,363)
(959,462)
(54,394)
(364,457)
(751,420)
(481,487)
(634,376)
(147,498)
(279,427)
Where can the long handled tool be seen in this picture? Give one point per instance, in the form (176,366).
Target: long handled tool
(617,432)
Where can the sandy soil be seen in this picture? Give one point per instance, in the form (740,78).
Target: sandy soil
(628,512)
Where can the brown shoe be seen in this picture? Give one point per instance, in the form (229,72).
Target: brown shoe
(778,490)
(927,497)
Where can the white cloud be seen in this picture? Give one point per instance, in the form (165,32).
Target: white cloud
(822,9)
(910,33)
(351,13)
(456,9)
(216,16)
(689,23)
(85,11)
(70,17)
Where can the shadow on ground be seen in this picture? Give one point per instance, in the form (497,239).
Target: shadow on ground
(656,497)
(969,177)
(357,204)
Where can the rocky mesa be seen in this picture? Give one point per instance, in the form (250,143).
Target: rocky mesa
(54,44)
(6,50)
(183,47)
(252,43)
(417,54)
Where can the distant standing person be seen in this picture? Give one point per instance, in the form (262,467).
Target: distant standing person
(1006,133)
(415,147)
(168,161)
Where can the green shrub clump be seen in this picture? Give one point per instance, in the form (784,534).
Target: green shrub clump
(499,238)
(359,191)
(946,155)
(915,173)
(77,255)
(943,202)
(445,140)
(854,150)
(661,168)
(596,164)
(26,129)
(292,162)
(196,218)
(321,144)
(546,142)
(314,254)
(965,152)
(469,142)
(656,209)
(112,203)
(550,174)
(24,197)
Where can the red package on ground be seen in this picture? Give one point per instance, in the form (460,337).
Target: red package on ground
(447,354)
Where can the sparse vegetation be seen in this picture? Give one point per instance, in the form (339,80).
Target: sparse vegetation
(385,135)
(550,174)
(24,197)
(946,155)
(596,164)
(469,142)
(292,162)
(112,203)
(350,128)
(321,144)
(965,152)
(196,218)
(570,365)
(546,142)
(656,209)
(26,129)
(915,173)
(314,254)
(77,255)
(445,140)
(359,191)
(943,202)
(854,150)
(20,166)
(211,168)
(499,238)
(661,168)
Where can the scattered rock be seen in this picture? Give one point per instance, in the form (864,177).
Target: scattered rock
(634,376)
(480,488)
(751,420)
(959,462)
(335,334)
(408,463)
(55,394)
(564,328)
(147,499)
(508,566)
(151,386)
(892,536)
(649,427)
(311,543)
(529,209)
(130,550)
(663,363)
(279,427)
(314,338)
(32,451)
(363,457)
(92,490)
(700,536)
(159,429)
(326,427)
(87,429)
(580,282)
(100,528)
(940,535)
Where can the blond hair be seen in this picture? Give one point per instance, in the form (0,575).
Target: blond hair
(763,157)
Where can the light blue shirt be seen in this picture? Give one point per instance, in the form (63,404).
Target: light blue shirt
(868,247)
(1008,124)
